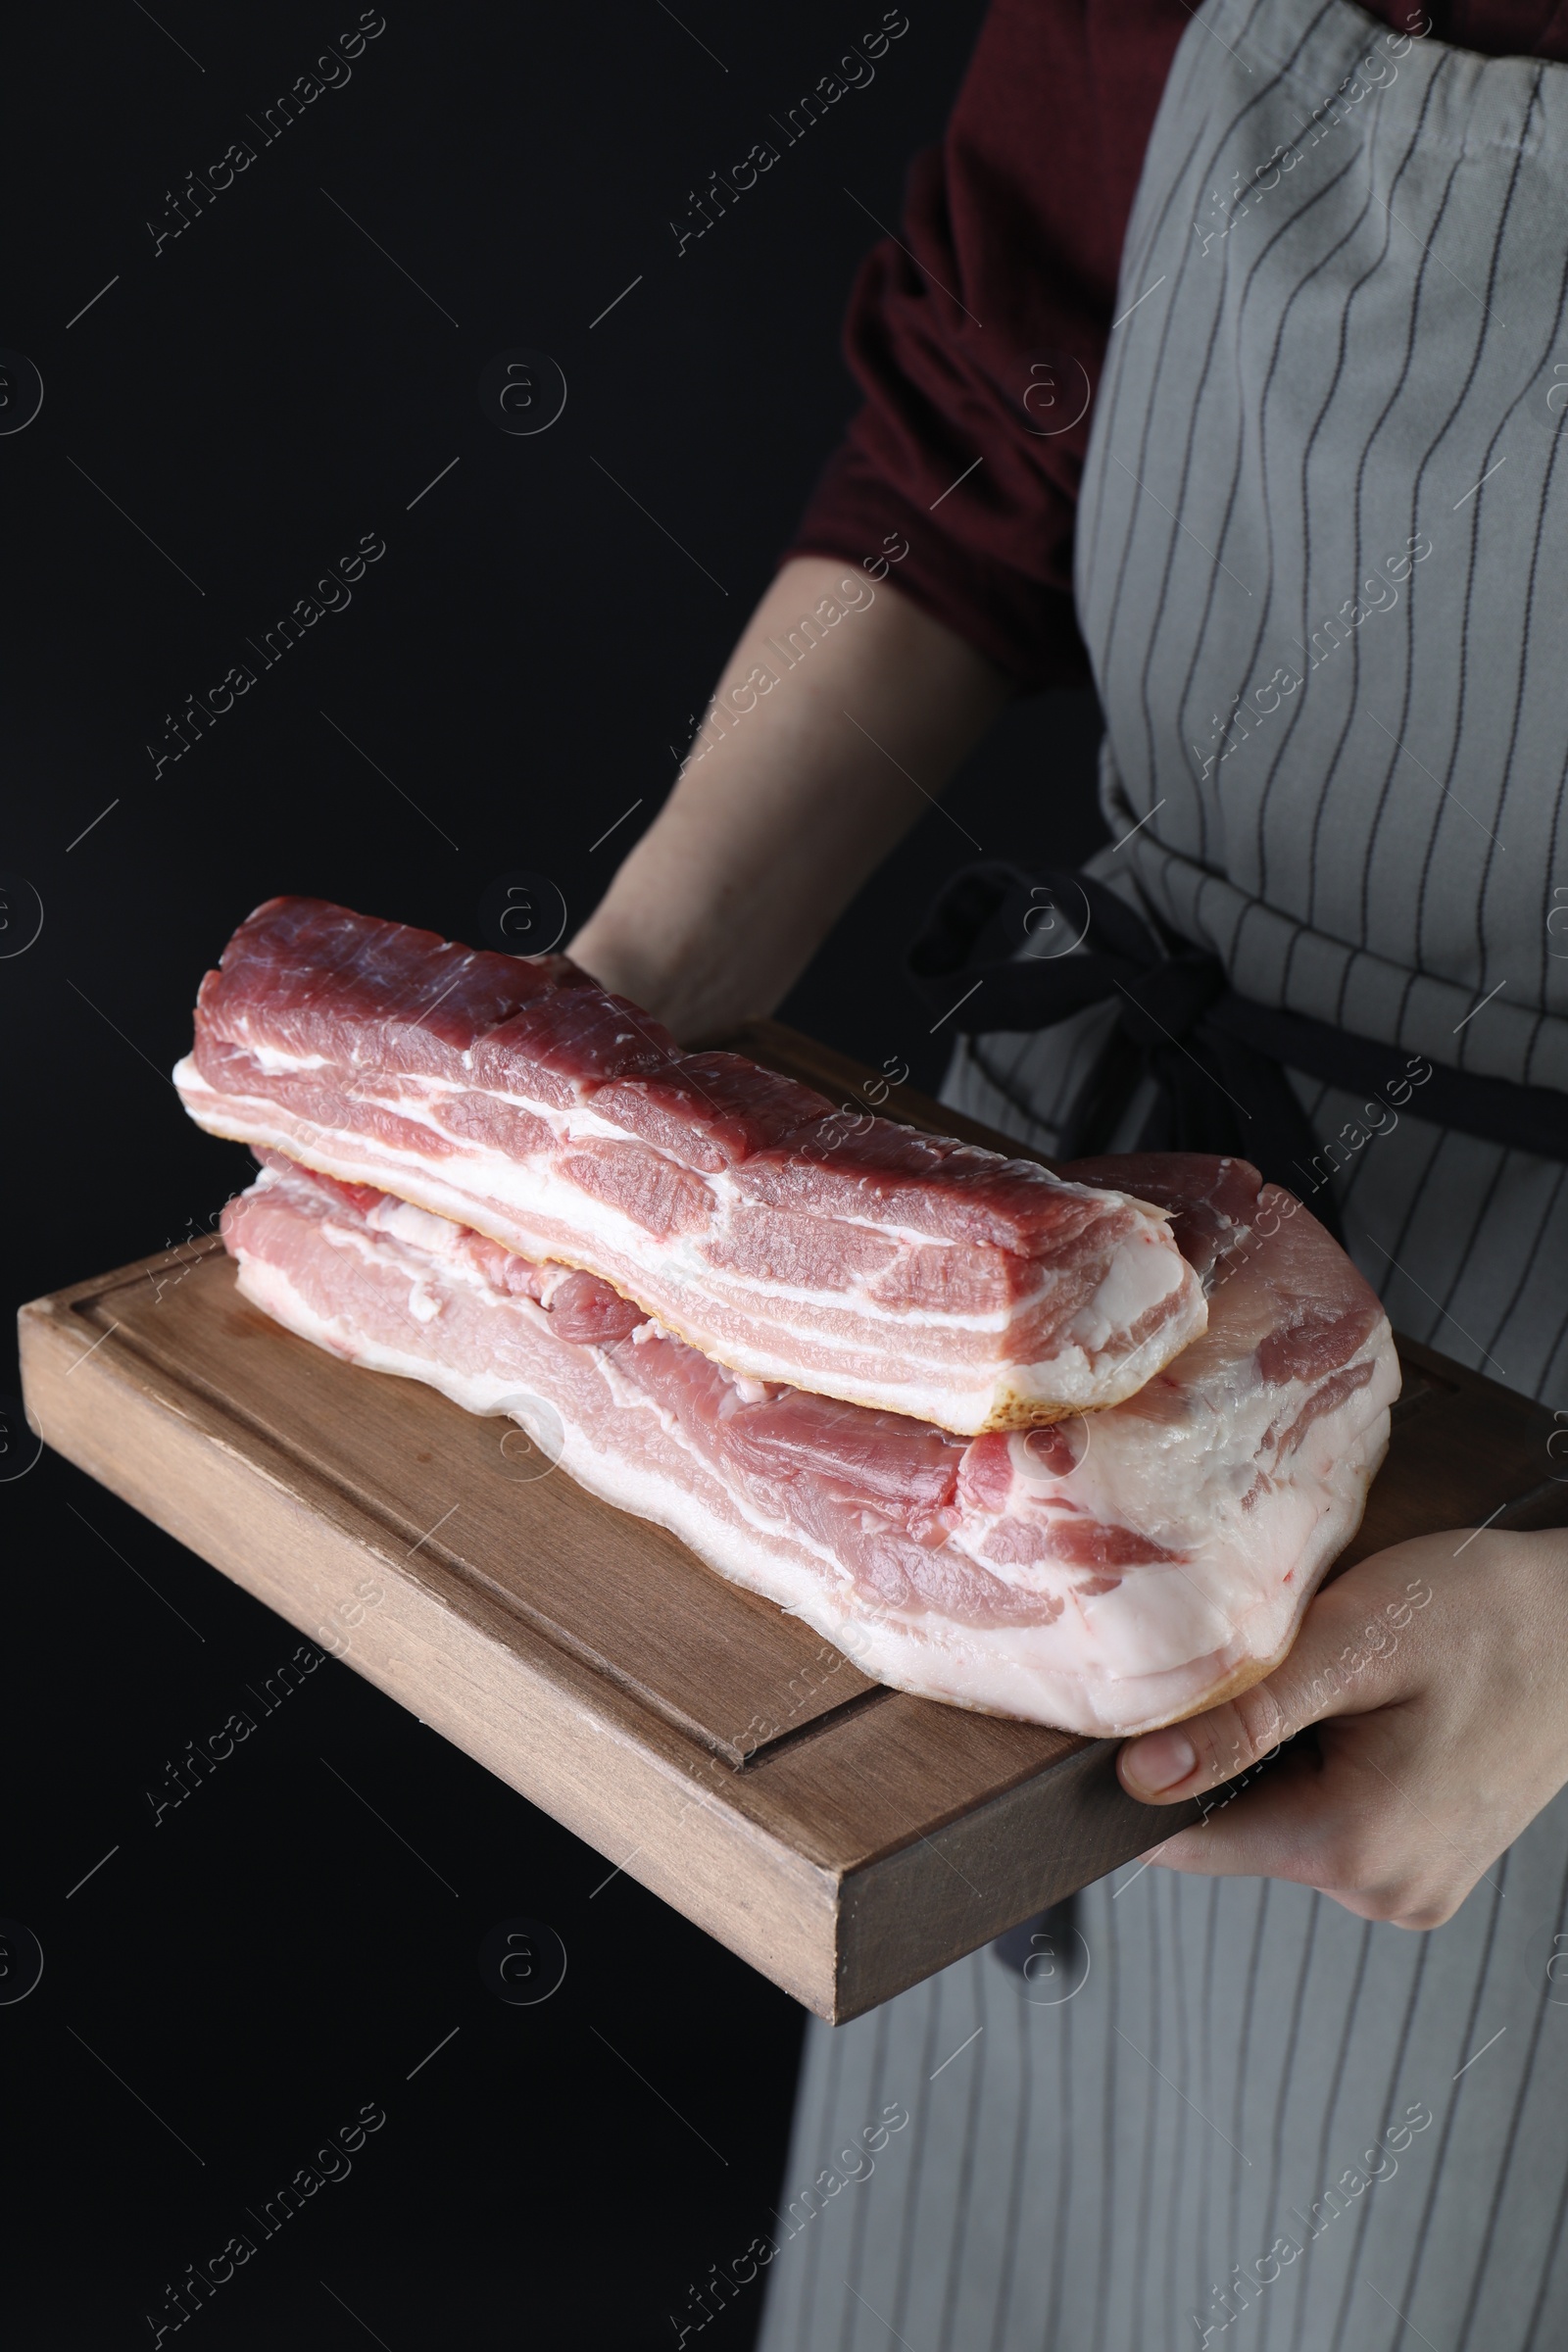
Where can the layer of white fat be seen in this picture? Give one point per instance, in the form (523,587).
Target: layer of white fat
(1170,1632)
(276,1062)
(671,1486)
(1143,1274)
(1021,1672)
(846,1343)
(1153,1650)
(1143,1271)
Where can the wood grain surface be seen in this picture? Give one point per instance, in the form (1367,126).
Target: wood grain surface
(844,1839)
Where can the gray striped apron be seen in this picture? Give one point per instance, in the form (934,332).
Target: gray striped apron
(1323,578)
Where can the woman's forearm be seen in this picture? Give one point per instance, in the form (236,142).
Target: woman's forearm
(843,712)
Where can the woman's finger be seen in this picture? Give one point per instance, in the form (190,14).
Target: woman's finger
(1349,1814)
(1352,1654)
(1271,1822)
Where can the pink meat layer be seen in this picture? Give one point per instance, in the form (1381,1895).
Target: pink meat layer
(856,1258)
(1113,1570)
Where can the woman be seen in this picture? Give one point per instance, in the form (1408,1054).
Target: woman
(1291,475)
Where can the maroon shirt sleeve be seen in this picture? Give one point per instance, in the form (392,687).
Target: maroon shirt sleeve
(1002,284)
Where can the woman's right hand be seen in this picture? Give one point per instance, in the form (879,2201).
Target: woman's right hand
(843,712)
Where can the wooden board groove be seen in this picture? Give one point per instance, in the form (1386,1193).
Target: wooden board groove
(845,1838)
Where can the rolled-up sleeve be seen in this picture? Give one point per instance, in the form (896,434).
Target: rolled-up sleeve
(978,333)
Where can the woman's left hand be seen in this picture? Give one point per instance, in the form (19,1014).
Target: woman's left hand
(1437,1675)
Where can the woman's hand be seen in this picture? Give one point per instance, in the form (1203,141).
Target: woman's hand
(1437,1675)
(844,710)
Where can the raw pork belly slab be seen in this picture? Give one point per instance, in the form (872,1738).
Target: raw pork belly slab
(1109,1573)
(514,1096)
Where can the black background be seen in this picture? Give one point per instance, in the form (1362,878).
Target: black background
(521,666)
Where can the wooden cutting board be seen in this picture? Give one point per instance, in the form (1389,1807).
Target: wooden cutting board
(844,1839)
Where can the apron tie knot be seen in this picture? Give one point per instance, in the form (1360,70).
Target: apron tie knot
(1003,950)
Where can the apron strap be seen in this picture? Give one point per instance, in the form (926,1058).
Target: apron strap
(1219,1059)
